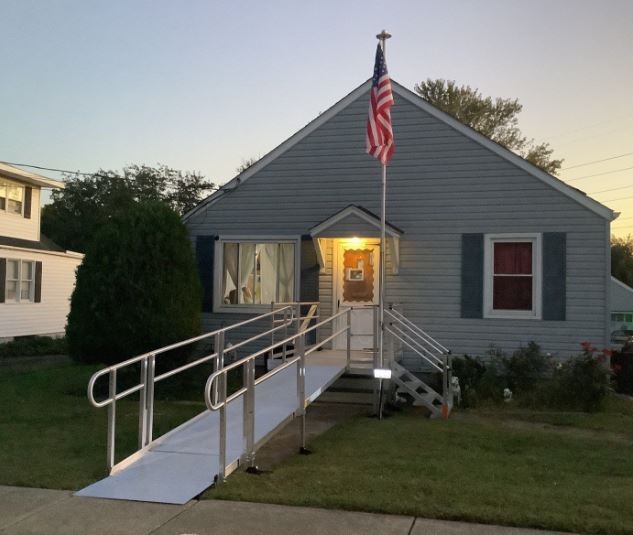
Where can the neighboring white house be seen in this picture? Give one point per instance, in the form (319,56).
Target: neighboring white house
(37,276)
(621,306)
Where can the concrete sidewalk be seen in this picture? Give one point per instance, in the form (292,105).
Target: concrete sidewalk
(56,512)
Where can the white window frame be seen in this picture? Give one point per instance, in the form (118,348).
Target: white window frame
(19,280)
(537,275)
(4,183)
(218,272)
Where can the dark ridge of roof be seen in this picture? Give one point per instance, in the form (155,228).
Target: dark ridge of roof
(45,244)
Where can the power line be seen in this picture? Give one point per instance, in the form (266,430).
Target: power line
(598,161)
(620,199)
(215,188)
(612,189)
(50,169)
(600,174)
(573,131)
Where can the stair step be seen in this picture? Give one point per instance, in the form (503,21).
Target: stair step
(355,398)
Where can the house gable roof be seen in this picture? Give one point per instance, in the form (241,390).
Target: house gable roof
(557,184)
(355,212)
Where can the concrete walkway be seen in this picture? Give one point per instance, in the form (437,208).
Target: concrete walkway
(55,512)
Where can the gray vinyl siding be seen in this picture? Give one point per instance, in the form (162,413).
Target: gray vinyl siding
(326,287)
(441,184)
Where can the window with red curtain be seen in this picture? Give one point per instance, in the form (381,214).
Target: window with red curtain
(512,276)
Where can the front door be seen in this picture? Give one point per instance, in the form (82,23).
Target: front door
(357,276)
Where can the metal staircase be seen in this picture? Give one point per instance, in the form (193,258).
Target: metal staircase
(406,338)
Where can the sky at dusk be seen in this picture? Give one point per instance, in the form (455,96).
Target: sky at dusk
(203,85)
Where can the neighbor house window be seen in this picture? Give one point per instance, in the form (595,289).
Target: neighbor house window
(512,276)
(11,196)
(20,281)
(257,273)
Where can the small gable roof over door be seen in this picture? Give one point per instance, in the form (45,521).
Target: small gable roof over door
(356,221)
(353,221)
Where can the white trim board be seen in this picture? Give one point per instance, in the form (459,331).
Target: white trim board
(16,173)
(354,211)
(555,183)
(620,283)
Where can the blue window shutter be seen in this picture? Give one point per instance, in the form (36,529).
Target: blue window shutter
(472,275)
(205,249)
(554,275)
(309,282)
(3,278)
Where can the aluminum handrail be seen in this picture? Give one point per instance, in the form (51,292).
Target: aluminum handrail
(419,341)
(433,364)
(400,332)
(148,377)
(217,398)
(239,363)
(423,334)
(164,349)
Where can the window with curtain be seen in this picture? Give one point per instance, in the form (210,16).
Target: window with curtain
(11,196)
(258,273)
(513,275)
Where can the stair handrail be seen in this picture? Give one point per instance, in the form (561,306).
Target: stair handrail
(148,379)
(432,359)
(217,399)
(414,338)
(423,334)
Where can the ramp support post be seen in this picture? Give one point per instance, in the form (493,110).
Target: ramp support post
(300,347)
(142,407)
(149,386)
(349,339)
(249,414)
(111,418)
(220,396)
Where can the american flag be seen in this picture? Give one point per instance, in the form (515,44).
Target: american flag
(379,131)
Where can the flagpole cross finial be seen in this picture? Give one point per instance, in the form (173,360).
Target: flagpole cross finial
(383,36)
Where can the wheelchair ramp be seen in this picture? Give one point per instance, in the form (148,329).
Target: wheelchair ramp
(184,462)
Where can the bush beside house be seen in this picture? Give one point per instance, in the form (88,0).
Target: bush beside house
(137,288)
(535,379)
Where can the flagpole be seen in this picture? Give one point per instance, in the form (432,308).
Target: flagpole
(382,37)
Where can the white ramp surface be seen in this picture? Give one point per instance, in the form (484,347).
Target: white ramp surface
(184,462)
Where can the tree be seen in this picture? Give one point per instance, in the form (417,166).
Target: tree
(622,259)
(89,202)
(496,119)
(246,163)
(137,288)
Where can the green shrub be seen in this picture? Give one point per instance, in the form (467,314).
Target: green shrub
(525,368)
(581,383)
(469,370)
(622,367)
(137,288)
(31,346)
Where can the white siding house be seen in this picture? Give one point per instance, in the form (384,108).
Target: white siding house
(37,277)
(482,248)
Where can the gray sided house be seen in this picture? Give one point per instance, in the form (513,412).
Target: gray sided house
(482,247)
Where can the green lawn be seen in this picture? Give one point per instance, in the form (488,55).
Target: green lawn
(51,437)
(557,470)
(506,466)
